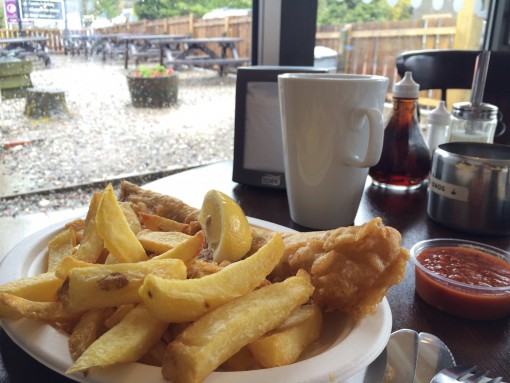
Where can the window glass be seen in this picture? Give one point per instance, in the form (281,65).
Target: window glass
(369,34)
(104,137)
(82,126)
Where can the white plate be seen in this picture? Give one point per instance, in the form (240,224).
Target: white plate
(345,347)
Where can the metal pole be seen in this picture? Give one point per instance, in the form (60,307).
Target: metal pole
(18,11)
(67,43)
(66,29)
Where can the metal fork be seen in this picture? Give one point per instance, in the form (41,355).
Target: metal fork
(463,374)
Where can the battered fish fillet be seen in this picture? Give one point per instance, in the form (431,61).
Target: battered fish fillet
(154,203)
(352,267)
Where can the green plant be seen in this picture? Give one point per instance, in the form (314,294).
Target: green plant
(156,71)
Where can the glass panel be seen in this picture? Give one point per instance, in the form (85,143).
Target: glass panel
(369,34)
(104,135)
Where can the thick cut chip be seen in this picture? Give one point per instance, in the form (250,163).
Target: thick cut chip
(126,342)
(113,227)
(131,217)
(286,343)
(156,222)
(188,300)
(14,307)
(114,285)
(186,251)
(69,263)
(118,315)
(87,330)
(91,244)
(161,241)
(154,357)
(77,225)
(218,335)
(60,246)
(241,361)
(111,260)
(39,288)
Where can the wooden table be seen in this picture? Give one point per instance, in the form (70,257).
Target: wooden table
(22,47)
(197,52)
(138,44)
(76,44)
(486,344)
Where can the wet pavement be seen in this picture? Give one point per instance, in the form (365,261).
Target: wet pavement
(48,164)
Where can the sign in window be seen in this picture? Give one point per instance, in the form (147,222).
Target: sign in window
(42,9)
(11,11)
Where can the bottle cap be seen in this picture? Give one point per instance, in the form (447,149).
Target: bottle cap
(468,111)
(439,116)
(406,88)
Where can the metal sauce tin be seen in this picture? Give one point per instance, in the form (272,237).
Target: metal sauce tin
(469,188)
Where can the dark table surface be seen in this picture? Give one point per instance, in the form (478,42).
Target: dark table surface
(486,344)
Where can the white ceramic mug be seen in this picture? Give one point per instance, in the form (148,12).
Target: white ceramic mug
(332,128)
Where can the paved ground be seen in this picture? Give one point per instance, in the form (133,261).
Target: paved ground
(46,164)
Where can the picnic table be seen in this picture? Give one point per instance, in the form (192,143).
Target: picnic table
(140,45)
(76,44)
(174,50)
(23,47)
(197,52)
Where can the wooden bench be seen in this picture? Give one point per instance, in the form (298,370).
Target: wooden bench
(154,54)
(14,77)
(148,55)
(25,55)
(223,63)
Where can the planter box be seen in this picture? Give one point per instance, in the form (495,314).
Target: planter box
(153,92)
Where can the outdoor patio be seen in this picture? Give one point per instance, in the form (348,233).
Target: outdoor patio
(46,162)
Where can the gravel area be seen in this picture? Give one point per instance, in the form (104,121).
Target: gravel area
(50,164)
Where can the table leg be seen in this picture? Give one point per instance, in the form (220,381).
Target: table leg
(235,54)
(126,55)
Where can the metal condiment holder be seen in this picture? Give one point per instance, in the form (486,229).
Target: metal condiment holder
(468,111)
(475,116)
(477,109)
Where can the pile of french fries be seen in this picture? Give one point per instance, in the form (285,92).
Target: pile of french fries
(131,288)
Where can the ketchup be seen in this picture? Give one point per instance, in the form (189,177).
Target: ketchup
(481,296)
(465,265)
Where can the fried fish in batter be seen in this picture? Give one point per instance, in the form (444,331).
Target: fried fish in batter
(155,203)
(352,267)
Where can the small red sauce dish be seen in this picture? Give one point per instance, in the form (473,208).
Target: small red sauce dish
(463,278)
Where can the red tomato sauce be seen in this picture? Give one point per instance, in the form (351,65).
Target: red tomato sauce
(468,266)
(465,265)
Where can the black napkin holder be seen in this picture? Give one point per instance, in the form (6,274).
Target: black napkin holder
(258,145)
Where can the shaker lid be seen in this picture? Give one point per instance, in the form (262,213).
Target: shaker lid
(468,111)
(440,115)
(407,87)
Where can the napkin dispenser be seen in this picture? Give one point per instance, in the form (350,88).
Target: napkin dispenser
(258,144)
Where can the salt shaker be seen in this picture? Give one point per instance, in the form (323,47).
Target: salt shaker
(437,126)
(475,121)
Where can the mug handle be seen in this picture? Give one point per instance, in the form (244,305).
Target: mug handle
(375,137)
